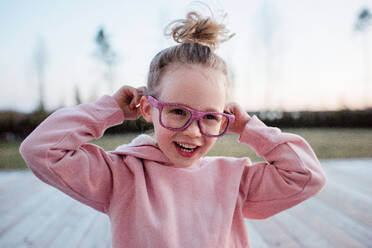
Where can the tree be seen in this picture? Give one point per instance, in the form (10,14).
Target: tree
(77,95)
(363,23)
(39,58)
(106,54)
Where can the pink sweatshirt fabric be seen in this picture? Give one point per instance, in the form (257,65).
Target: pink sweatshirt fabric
(149,202)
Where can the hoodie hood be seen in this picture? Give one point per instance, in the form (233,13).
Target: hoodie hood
(145,147)
(140,140)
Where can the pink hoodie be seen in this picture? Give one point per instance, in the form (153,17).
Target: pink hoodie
(152,204)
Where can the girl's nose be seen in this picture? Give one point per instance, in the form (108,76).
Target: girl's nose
(193,130)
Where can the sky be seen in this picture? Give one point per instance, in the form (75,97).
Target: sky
(286,55)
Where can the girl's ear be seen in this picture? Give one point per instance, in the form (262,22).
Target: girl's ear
(145,108)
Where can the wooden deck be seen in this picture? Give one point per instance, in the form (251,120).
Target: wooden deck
(33,214)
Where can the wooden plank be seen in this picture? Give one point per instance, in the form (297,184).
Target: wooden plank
(9,177)
(342,221)
(17,214)
(255,237)
(25,187)
(35,222)
(335,236)
(99,235)
(75,223)
(49,221)
(299,231)
(273,234)
(17,184)
(50,217)
(352,180)
(348,200)
(328,219)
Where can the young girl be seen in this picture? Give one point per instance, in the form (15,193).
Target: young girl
(161,191)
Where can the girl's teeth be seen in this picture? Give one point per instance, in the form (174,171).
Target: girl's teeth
(187,146)
(187,150)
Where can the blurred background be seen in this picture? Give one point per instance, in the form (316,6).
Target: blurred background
(302,66)
(286,55)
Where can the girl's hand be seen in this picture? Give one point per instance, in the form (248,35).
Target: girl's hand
(241,118)
(128,99)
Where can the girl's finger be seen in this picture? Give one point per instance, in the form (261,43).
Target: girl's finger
(137,97)
(134,99)
(137,94)
(231,108)
(142,90)
(138,113)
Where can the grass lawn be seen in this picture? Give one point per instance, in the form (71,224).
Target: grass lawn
(327,144)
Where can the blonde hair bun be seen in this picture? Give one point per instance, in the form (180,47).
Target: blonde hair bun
(196,29)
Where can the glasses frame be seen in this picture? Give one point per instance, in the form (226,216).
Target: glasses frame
(195,115)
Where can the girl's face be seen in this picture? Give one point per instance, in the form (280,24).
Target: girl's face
(197,87)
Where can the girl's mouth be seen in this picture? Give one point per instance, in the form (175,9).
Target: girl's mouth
(186,150)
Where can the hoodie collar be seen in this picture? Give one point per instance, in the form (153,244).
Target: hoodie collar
(145,147)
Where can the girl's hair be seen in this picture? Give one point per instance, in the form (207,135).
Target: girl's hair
(199,38)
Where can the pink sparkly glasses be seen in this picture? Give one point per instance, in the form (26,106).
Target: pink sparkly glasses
(177,117)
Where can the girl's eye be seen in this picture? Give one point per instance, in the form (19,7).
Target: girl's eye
(212,117)
(178,111)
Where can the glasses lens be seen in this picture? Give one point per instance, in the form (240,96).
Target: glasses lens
(214,124)
(175,116)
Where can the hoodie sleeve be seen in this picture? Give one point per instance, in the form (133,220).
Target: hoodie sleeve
(57,151)
(290,174)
